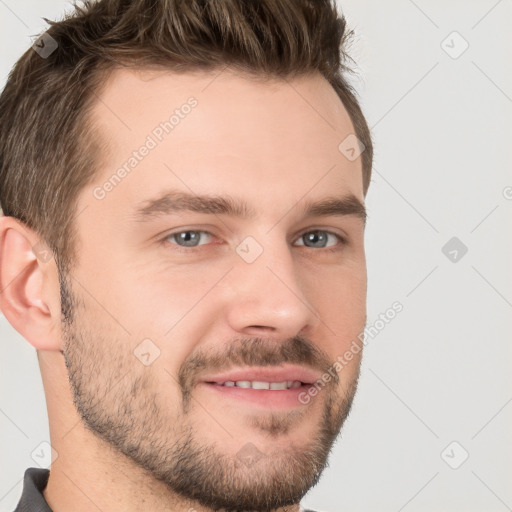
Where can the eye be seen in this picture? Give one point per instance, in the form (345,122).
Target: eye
(189,238)
(320,239)
(315,239)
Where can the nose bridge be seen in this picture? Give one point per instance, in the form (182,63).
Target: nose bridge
(267,292)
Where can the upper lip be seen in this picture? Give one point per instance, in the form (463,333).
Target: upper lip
(266,374)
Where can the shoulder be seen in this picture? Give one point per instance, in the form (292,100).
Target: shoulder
(34,483)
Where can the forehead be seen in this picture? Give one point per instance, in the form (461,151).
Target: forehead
(220,132)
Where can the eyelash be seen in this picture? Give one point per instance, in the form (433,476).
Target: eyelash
(188,250)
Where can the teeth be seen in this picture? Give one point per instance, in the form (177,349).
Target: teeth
(255,384)
(278,385)
(260,385)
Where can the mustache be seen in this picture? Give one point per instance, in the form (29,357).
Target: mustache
(253,352)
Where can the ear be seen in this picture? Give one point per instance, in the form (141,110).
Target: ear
(29,285)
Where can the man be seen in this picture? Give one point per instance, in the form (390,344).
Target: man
(183,189)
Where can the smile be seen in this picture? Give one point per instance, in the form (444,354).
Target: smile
(271,387)
(275,386)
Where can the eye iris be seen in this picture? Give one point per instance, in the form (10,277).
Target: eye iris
(187,238)
(315,237)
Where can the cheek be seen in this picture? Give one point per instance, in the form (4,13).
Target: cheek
(160,295)
(174,307)
(339,296)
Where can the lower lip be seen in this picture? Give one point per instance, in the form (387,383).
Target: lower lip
(274,399)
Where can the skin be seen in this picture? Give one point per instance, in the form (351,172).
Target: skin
(273,145)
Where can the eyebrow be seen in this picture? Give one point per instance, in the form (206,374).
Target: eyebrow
(177,202)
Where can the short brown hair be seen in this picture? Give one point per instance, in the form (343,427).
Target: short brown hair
(48,151)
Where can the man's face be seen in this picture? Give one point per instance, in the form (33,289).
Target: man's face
(181,308)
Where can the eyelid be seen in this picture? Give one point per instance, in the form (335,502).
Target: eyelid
(341,238)
(181,230)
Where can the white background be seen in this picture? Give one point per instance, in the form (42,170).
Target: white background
(441,370)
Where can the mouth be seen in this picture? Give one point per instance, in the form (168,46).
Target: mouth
(259,384)
(264,387)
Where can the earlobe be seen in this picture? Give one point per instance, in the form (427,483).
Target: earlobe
(29,296)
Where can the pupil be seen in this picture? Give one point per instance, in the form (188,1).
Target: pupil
(316,237)
(189,237)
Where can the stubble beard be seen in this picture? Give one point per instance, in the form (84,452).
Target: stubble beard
(130,417)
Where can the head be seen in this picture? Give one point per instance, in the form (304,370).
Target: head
(181,211)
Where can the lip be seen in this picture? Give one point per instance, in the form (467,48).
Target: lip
(266,374)
(263,399)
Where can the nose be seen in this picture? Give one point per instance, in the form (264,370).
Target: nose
(269,296)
